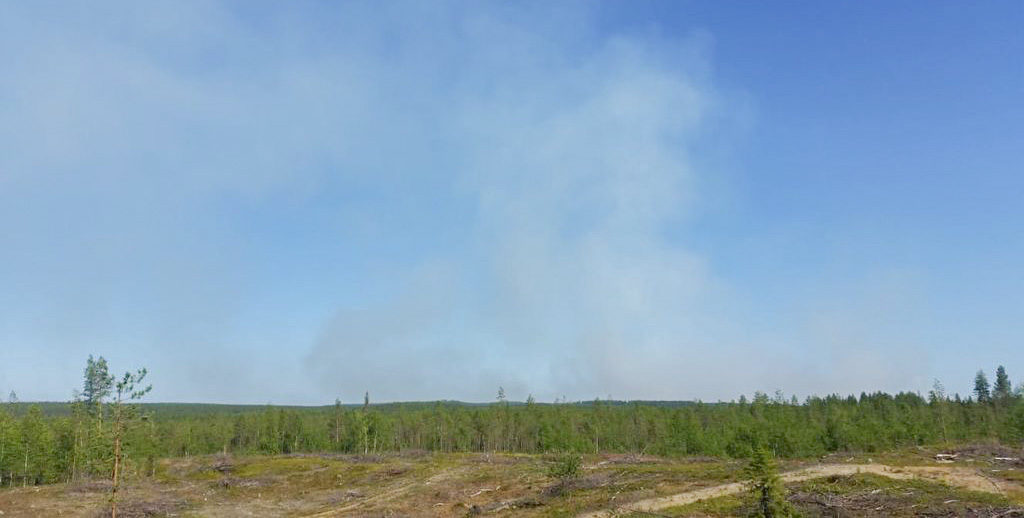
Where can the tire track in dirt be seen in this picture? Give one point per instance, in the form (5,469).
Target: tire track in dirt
(955,476)
(387,495)
(384,496)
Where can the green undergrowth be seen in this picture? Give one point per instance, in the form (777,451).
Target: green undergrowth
(923,491)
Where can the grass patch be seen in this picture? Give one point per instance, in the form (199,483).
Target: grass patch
(923,491)
(201,475)
(729,505)
(268,466)
(1014,475)
(162,473)
(687,472)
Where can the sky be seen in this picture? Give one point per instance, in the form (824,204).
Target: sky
(267,202)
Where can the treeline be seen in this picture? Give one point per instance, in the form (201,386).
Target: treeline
(37,449)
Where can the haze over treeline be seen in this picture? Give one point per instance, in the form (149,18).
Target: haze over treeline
(105,431)
(643,200)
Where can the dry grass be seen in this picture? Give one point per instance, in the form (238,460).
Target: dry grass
(407,484)
(866,495)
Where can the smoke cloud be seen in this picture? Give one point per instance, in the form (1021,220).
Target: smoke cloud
(419,200)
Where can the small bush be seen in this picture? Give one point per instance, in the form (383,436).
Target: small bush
(766,488)
(566,467)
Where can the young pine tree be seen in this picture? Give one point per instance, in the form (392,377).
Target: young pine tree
(96,383)
(1002,391)
(981,387)
(92,438)
(766,488)
(128,389)
(566,467)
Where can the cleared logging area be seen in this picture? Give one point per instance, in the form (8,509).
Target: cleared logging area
(421,483)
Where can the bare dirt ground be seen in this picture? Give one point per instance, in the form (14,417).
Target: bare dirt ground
(459,485)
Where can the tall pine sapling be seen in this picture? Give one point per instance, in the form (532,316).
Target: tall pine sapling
(981,387)
(127,390)
(1003,390)
(96,385)
(91,446)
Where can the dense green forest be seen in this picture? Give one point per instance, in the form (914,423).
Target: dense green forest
(78,439)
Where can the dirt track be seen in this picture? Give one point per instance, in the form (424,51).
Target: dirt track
(955,476)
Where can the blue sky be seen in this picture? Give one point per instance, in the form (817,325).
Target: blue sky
(291,203)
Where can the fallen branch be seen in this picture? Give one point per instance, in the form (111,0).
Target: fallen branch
(484,490)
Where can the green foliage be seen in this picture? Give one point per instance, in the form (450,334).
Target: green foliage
(35,449)
(981,387)
(96,384)
(70,440)
(128,389)
(767,492)
(565,467)
(1003,390)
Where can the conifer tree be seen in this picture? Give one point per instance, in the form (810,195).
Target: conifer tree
(128,390)
(96,384)
(1002,389)
(981,387)
(766,488)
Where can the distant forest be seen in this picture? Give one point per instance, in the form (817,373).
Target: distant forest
(106,425)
